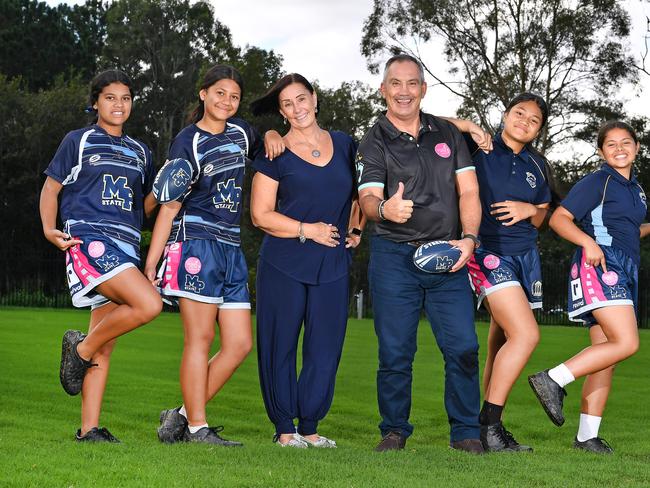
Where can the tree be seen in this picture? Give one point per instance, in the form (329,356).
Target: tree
(572,53)
(39,43)
(163,46)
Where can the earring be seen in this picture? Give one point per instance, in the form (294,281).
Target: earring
(285,120)
(316,109)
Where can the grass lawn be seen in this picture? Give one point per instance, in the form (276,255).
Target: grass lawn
(38,420)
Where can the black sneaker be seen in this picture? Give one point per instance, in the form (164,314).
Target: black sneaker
(393,441)
(595,444)
(550,395)
(495,438)
(172,426)
(73,367)
(209,435)
(97,435)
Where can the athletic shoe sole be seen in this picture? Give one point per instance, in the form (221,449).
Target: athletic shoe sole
(538,384)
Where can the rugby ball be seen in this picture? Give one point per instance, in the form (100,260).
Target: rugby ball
(173,180)
(436,257)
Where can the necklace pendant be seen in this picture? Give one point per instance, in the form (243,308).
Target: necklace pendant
(315,153)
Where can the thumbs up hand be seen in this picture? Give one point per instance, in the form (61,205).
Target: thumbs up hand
(396,209)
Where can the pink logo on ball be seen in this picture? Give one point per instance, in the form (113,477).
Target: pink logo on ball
(193,265)
(442,150)
(610,278)
(491,261)
(96,249)
(574,271)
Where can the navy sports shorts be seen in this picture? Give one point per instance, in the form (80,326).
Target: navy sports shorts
(590,288)
(490,272)
(92,263)
(207,271)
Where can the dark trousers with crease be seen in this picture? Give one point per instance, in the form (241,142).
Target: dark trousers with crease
(283,306)
(399,291)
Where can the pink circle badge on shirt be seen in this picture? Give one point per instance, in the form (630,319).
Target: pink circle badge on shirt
(442,150)
(96,249)
(610,278)
(193,265)
(574,271)
(491,261)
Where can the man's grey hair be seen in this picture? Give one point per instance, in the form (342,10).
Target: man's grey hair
(404,57)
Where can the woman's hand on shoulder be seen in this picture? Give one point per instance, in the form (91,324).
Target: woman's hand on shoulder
(510,212)
(324,234)
(60,239)
(273,144)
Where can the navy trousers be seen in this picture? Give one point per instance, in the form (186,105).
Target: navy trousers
(283,305)
(399,291)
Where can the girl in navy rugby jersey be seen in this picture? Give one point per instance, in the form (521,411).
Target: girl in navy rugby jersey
(103,176)
(203,269)
(505,270)
(609,206)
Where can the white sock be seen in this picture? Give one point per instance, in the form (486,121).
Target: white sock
(561,375)
(195,428)
(183,412)
(589,425)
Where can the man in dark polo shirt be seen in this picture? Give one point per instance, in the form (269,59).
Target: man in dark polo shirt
(417,181)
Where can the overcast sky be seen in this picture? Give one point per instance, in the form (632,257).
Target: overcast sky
(320,39)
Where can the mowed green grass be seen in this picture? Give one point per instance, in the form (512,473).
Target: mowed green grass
(38,420)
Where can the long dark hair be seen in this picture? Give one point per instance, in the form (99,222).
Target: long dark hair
(216,73)
(101,81)
(269,102)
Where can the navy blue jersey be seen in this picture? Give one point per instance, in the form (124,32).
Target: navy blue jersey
(105,179)
(503,175)
(610,208)
(310,193)
(212,206)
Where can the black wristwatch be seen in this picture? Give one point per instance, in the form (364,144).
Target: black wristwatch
(355,232)
(473,238)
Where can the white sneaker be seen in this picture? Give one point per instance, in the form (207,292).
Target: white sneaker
(322,442)
(296,441)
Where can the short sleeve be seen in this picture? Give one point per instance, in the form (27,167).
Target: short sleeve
(267,167)
(150,171)
(370,163)
(64,160)
(585,196)
(463,159)
(182,149)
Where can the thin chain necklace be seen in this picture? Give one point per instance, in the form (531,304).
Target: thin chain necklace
(315,152)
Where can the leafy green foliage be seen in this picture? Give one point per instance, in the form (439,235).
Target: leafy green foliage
(572,53)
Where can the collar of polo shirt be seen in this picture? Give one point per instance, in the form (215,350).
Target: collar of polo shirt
(393,132)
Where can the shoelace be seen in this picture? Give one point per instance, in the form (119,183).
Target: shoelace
(510,439)
(216,430)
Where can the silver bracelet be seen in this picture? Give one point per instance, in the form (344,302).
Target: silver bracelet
(301,234)
(380,210)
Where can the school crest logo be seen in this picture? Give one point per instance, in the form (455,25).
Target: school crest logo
(193,283)
(359,167)
(228,196)
(531,179)
(500,275)
(108,262)
(117,192)
(643,198)
(537,288)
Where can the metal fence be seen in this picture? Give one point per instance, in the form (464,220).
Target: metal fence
(38,280)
